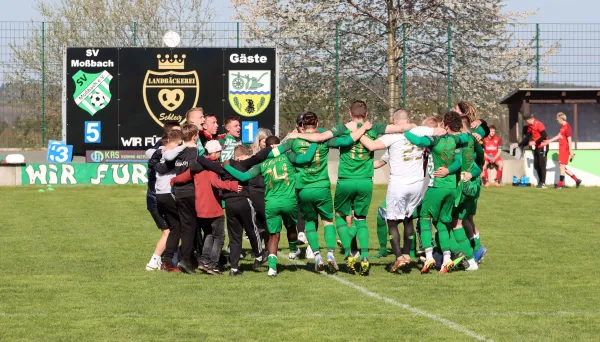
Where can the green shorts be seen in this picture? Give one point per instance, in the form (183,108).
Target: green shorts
(353,194)
(315,202)
(438,204)
(466,207)
(279,212)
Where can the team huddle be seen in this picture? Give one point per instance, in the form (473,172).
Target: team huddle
(198,180)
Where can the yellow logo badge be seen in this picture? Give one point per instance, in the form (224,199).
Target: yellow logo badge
(249,91)
(169,94)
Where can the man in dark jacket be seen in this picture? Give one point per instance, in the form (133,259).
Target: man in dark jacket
(183,156)
(240,211)
(536,134)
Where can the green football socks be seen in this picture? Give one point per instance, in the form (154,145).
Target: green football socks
(329,237)
(443,237)
(454,247)
(343,233)
(476,242)
(363,238)
(352,230)
(425,233)
(463,242)
(272,261)
(382,235)
(413,246)
(311,235)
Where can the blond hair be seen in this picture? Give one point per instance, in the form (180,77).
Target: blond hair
(561,116)
(401,114)
(469,110)
(195,109)
(262,133)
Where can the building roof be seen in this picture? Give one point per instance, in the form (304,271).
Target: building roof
(589,93)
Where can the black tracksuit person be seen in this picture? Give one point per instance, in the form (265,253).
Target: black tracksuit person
(256,189)
(536,134)
(183,157)
(240,210)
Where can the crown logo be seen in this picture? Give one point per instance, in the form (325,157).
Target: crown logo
(174,62)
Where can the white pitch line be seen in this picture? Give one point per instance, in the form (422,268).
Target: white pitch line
(419,312)
(526,313)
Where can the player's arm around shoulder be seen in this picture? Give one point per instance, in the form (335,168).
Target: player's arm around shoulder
(306,157)
(217,183)
(172,154)
(182,178)
(312,137)
(348,140)
(380,143)
(401,128)
(418,140)
(426,131)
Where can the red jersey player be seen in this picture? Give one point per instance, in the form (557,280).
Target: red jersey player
(565,153)
(492,146)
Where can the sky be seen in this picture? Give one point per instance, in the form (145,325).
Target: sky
(549,11)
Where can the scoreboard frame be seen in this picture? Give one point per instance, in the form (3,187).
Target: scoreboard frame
(132,91)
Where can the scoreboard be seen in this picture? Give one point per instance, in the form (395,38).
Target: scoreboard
(120,98)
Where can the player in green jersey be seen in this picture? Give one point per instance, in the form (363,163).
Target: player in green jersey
(439,200)
(315,192)
(232,137)
(354,189)
(280,194)
(480,130)
(472,155)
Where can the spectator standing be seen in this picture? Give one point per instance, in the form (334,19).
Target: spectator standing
(536,134)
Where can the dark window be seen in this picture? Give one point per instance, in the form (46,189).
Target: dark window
(546,113)
(588,118)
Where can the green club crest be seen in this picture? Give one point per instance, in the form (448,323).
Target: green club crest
(92,92)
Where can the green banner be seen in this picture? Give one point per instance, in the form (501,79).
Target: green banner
(84,173)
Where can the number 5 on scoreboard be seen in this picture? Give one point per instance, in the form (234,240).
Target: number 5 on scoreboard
(249,130)
(92,132)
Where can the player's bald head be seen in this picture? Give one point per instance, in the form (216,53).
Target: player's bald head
(401,116)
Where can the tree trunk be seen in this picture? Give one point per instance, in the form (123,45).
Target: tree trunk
(391,77)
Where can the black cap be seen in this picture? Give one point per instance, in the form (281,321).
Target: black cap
(527,116)
(299,120)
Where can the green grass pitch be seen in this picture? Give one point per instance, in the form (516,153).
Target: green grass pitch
(72,269)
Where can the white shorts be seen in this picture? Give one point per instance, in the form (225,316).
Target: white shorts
(403,199)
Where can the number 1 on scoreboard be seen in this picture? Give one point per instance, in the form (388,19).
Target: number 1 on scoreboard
(249,130)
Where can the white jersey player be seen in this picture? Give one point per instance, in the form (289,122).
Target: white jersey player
(406,185)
